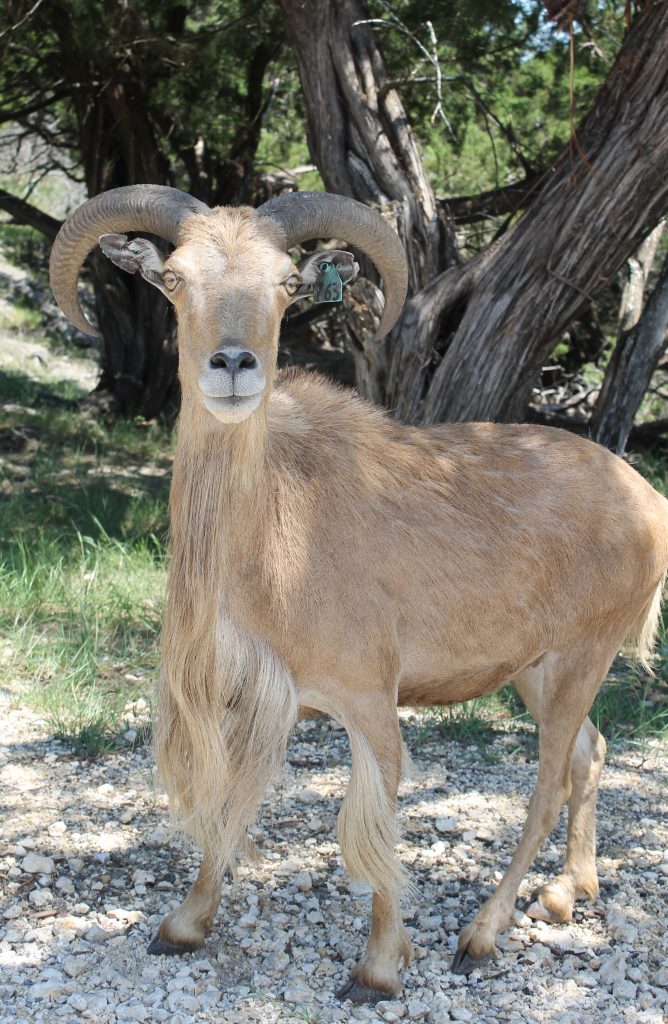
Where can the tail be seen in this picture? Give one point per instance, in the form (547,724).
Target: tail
(641,640)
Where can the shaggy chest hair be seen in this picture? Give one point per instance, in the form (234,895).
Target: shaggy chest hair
(226,701)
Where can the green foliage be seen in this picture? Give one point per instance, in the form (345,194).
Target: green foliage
(166,92)
(505,84)
(282,144)
(83,521)
(215,84)
(654,467)
(633,709)
(25,247)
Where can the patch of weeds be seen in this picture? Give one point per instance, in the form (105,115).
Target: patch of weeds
(629,708)
(474,722)
(308,1016)
(468,723)
(89,740)
(85,718)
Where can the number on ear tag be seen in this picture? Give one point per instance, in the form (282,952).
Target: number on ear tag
(328,286)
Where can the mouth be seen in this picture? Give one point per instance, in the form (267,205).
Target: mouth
(232,408)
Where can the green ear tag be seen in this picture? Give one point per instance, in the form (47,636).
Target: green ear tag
(328,286)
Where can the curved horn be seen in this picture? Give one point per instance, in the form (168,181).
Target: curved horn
(304,215)
(157,209)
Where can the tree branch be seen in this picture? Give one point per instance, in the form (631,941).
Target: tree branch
(630,370)
(22,212)
(496,202)
(18,113)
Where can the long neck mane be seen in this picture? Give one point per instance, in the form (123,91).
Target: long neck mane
(217,498)
(222,691)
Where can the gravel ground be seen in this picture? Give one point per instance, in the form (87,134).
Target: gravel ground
(89,865)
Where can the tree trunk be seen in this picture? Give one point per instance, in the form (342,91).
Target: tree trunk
(118,146)
(630,370)
(499,328)
(472,338)
(138,356)
(637,270)
(360,139)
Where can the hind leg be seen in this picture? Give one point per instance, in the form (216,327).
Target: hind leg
(559,695)
(554,901)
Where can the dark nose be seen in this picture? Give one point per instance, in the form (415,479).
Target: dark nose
(233,362)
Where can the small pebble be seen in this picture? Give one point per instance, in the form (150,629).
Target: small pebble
(35,864)
(446,824)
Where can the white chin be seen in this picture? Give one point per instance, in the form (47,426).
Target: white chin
(234,409)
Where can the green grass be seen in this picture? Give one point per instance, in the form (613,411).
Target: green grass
(630,707)
(82,621)
(475,722)
(634,709)
(83,522)
(471,723)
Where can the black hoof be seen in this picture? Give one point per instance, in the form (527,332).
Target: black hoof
(356,992)
(463,963)
(160,947)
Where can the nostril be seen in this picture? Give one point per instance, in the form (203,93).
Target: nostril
(219,360)
(247,361)
(233,360)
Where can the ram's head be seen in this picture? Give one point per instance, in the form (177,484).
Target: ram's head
(229,276)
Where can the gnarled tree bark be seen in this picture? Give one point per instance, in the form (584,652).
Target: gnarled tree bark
(473,338)
(564,250)
(630,370)
(360,140)
(636,272)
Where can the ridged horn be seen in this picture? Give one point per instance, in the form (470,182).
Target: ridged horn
(156,209)
(304,215)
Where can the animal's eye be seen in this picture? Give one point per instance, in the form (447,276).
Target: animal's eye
(170,280)
(292,283)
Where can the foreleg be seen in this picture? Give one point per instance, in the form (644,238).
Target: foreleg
(187,927)
(367,833)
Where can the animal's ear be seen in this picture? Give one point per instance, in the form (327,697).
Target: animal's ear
(138,256)
(317,269)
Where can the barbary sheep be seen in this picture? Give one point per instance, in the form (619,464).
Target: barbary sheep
(326,558)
